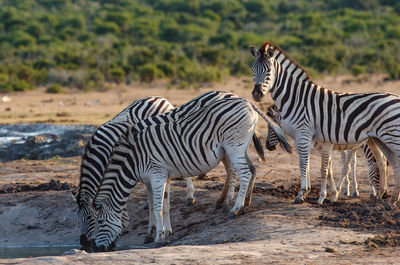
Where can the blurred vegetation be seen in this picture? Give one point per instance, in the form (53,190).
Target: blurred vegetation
(87,43)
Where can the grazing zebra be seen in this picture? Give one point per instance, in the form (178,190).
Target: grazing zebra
(311,112)
(184,144)
(348,159)
(99,148)
(97,155)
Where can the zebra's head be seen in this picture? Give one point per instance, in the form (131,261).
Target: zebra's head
(108,227)
(263,70)
(87,218)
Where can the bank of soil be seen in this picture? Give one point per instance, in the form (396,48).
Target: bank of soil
(39,209)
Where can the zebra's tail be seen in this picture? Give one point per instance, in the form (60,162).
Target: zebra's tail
(258,145)
(278,131)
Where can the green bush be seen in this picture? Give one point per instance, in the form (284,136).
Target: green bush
(103,28)
(20,85)
(54,89)
(358,69)
(117,74)
(147,73)
(88,43)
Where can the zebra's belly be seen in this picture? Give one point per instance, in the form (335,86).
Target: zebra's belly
(193,167)
(324,146)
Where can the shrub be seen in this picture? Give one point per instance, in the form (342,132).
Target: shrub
(358,69)
(20,85)
(117,74)
(103,28)
(54,88)
(148,72)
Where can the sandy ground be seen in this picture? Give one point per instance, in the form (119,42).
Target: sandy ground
(272,230)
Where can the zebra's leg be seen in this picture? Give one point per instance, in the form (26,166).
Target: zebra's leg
(381,163)
(158,183)
(393,156)
(228,191)
(151,227)
(241,168)
(190,200)
(166,214)
(325,163)
(353,164)
(344,177)
(303,147)
(334,192)
(252,182)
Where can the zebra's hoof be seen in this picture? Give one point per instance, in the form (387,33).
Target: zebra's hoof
(190,201)
(148,239)
(232,215)
(226,208)
(159,244)
(355,194)
(385,195)
(298,200)
(146,206)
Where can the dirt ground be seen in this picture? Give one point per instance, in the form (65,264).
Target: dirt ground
(36,206)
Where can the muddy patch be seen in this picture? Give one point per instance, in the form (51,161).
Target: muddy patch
(52,185)
(363,214)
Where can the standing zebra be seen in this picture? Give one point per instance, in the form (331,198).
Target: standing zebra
(185,144)
(311,112)
(348,158)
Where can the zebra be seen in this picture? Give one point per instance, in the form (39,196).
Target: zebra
(186,143)
(97,153)
(311,112)
(348,160)
(99,148)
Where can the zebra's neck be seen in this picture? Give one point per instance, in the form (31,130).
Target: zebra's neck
(288,82)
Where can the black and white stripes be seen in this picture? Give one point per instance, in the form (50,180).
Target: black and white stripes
(97,154)
(185,141)
(311,112)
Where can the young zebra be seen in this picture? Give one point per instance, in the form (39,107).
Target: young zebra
(185,144)
(348,159)
(311,112)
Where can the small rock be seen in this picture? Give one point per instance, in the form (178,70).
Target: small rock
(73,251)
(92,103)
(6,99)
(330,250)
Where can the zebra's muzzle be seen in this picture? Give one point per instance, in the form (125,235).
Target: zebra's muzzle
(102,248)
(257,92)
(85,243)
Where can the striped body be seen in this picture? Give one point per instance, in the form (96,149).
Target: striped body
(310,112)
(97,154)
(180,143)
(348,160)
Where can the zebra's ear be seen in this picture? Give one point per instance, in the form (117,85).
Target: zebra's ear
(254,52)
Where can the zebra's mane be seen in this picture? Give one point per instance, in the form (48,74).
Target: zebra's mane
(278,52)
